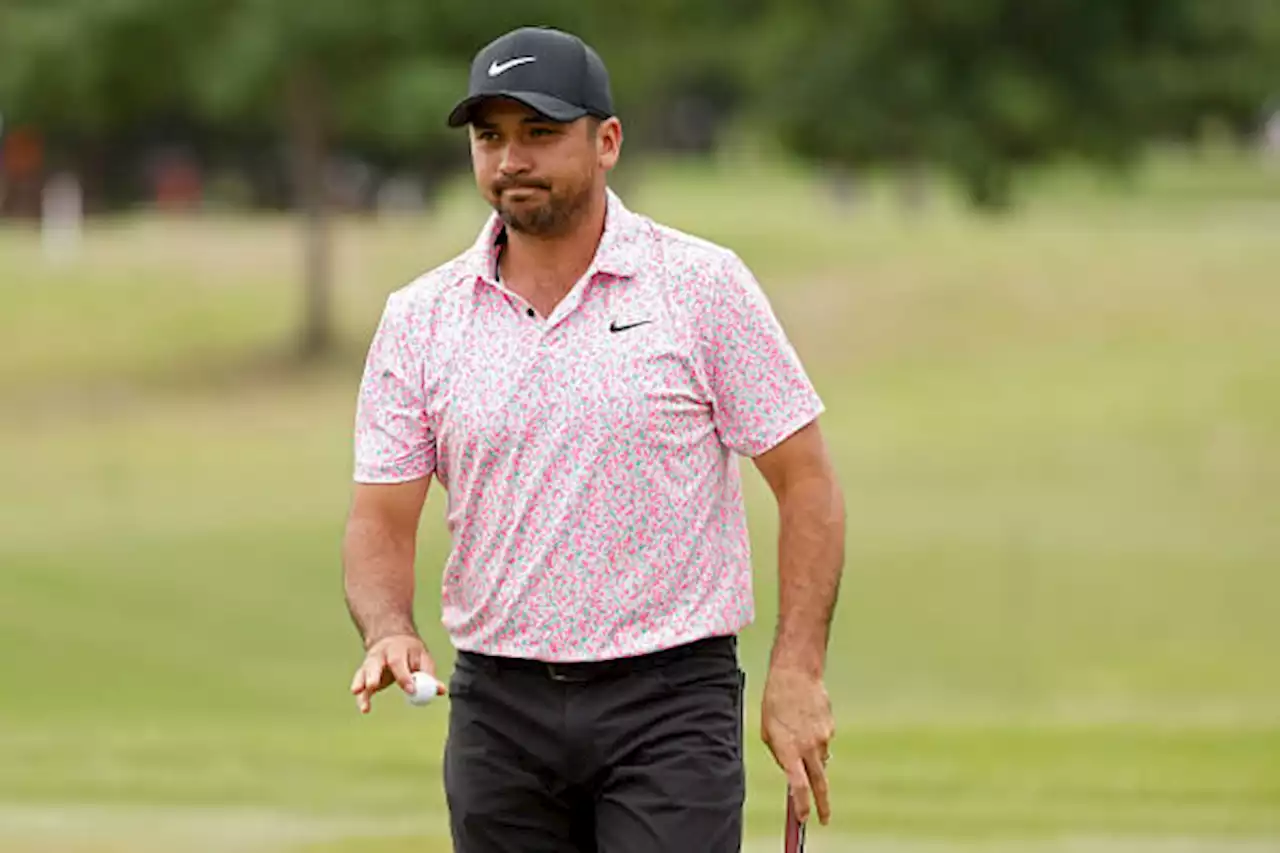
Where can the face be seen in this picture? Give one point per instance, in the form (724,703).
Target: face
(539,175)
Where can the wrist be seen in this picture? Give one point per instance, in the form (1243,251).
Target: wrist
(801,657)
(389,632)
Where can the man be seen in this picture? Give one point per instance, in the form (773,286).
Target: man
(579,382)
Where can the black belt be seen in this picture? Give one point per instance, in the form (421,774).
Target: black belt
(596,670)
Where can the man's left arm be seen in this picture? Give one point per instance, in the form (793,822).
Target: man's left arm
(797,722)
(766,408)
(810,547)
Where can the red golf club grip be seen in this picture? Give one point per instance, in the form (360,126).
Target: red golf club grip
(794,839)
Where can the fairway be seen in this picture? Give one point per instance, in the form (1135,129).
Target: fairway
(1059,436)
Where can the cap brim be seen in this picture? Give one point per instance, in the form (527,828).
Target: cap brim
(547,105)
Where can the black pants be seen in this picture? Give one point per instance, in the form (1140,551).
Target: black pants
(639,756)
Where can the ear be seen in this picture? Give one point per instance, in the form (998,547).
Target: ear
(609,142)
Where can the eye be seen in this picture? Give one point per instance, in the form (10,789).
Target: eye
(543,131)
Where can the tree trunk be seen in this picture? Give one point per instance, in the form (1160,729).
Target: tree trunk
(308,147)
(989,185)
(913,186)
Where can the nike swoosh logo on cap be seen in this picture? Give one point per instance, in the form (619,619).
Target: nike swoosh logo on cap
(496,67)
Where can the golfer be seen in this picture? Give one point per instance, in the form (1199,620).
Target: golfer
(582,382)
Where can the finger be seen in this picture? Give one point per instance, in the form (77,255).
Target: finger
(374,664)
(362,691)
(364,695)
(817,775)
(398,661)
(368,680)
(429,666)
(360,681)
(798,782)
(420,661)
(368,672)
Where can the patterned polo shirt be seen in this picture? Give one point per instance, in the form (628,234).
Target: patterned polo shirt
(590,458)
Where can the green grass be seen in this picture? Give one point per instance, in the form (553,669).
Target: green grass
(1059,435)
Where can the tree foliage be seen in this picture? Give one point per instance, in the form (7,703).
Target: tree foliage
(979,88)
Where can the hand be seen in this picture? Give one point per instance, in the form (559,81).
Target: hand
(391,660)
(797,726)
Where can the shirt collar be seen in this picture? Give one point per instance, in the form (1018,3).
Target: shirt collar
(619,253)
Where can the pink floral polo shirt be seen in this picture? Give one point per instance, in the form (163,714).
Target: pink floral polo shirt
(590,457)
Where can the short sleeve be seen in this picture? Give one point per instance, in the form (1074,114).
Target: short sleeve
(393,443)
(760,392)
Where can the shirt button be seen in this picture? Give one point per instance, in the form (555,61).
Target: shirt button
(532,313)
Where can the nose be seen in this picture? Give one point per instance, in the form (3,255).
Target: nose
(514,160)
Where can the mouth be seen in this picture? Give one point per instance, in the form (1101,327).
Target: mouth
(508,184)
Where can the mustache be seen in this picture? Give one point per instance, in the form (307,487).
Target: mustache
(504,184)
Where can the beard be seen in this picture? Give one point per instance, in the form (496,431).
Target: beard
(553,217)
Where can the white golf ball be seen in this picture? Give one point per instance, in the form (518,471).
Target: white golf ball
(424,689)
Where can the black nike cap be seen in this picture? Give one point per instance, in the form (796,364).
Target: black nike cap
(550,71)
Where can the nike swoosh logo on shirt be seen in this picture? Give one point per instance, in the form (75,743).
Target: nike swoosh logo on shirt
(614,327)
(496,67)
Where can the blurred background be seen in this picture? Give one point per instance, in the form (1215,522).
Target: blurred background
(1030,252)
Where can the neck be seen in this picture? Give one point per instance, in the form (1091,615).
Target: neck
(550,266)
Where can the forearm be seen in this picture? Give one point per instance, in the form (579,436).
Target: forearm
(810,563)
(378,579)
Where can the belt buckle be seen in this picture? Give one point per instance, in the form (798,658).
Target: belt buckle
(566,673)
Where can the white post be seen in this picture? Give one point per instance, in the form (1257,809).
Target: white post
(62,218)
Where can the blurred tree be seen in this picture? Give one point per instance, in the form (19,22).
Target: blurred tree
(379,74)
(322,69)
(90,64)
(382,72)
(983,87)
(676,66)
(1224,68)
(979,87)
(315,67)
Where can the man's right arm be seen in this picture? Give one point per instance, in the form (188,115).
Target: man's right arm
(378,552)
(395,458)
